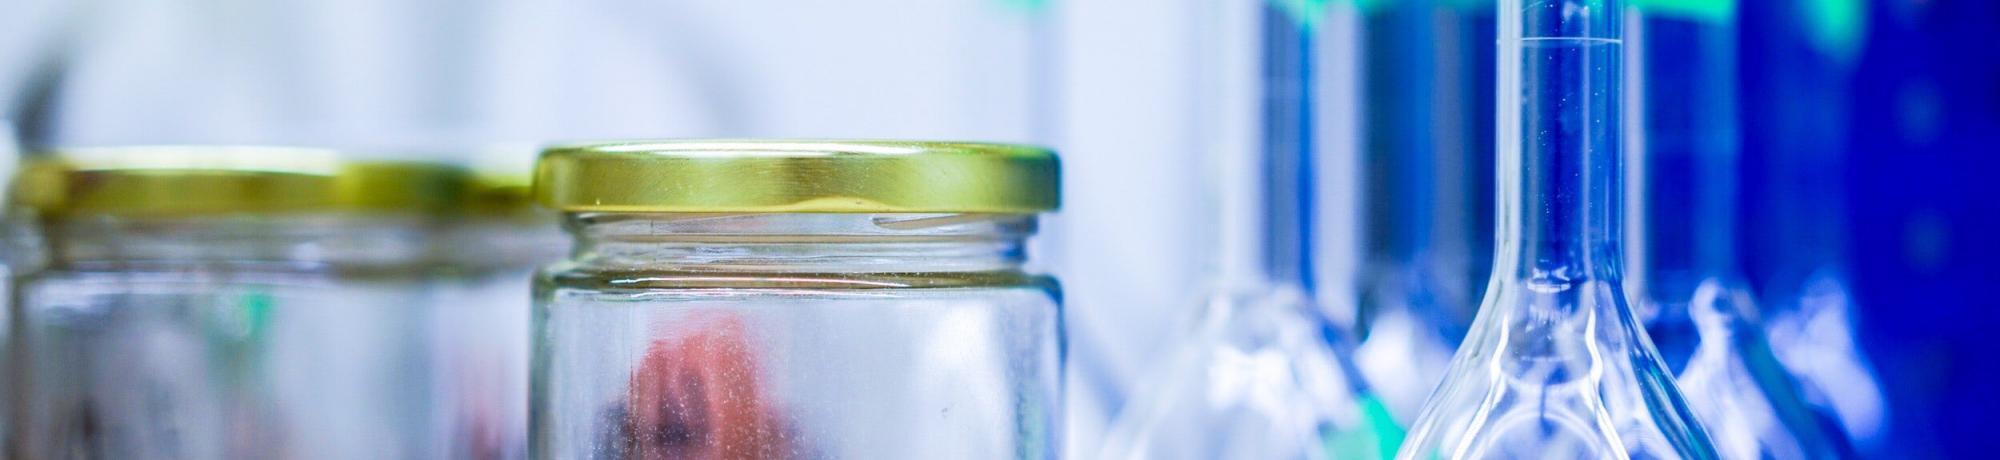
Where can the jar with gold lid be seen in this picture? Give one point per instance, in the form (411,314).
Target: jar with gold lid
(773,299)
(224,302)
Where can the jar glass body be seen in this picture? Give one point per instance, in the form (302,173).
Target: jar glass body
(478,333)
(221,337)
(796,335)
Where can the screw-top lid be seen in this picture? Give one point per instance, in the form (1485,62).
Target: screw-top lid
(798,176)
(203,180)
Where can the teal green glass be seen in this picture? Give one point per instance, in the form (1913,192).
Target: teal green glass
(1555,364)
(1697,306)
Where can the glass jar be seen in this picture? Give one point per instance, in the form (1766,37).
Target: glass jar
(211,302)
(20,254)
(796,299)
(478,319)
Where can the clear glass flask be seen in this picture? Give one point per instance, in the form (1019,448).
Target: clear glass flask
(1260,373)
(479,317)
(1697,306)
(1468,187)
(1408,326)
(1808,51)
(225,302)
(1556,364)
(808,299)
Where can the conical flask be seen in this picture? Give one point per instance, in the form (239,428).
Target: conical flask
(1798,91)
(1410,293)
(1556,365)
(1698,310)
(1261,374)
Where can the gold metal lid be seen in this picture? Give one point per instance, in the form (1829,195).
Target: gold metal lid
(202,180)
(497,193)
(502,181)
(798,176)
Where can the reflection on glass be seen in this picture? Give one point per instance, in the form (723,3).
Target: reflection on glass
(215,357)
(1698,308)
(716,336)
(697,396)
(1415,239)
(1807,51)
(478,316)
(1261,374)
(1556,365)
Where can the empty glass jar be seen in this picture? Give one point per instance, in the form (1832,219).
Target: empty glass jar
(478,321)
(773,299)
(218,302)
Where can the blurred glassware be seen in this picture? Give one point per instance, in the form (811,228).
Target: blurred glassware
(1261,373)
(479,313)
(1411,295)
(1466,175)
(225,302)
(1556,366)
(1684,145)
(1808,51)
(20,253)
(811,299)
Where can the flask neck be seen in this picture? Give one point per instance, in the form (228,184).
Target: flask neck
(799,243)
(1560,169)
(1685,69)
(1402,133)
(1800,95)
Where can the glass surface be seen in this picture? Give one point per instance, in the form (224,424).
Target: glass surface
(1410,293)
(796,336)
(1261,372)
(1812,332)
(1256,378)
(20,255)
(478,333)
(1556,365)
(220,338)
(1698,309)
(1808,53)
(478,339)
(161,364)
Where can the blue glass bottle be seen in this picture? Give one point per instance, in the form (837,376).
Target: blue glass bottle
(1556,365)
(1699,309)
(1260,374)
(1466,155)
(1409,294)
(1805,52)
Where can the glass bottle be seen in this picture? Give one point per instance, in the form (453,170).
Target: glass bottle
(1697,306)
(479,318)
(225,302)
(1466,103)
(1806,52)
(1407,328)
(1556,365)
(1261,373)
(814,299)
